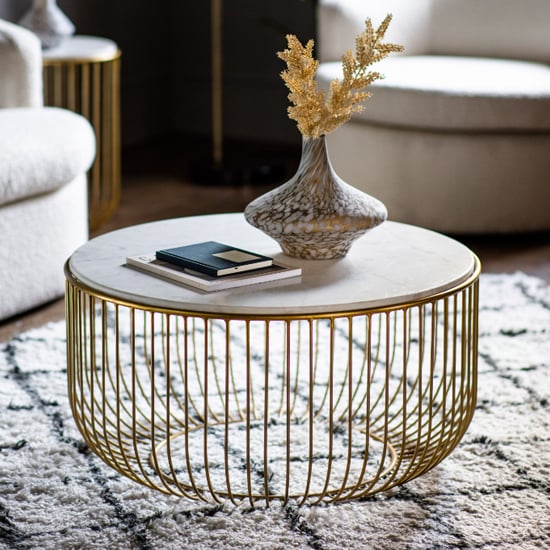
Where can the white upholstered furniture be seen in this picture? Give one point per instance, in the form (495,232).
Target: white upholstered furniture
(44,155)
(457,136)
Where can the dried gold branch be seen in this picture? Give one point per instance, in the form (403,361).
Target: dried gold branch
(316,114)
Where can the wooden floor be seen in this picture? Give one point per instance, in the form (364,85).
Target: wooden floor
(158,183)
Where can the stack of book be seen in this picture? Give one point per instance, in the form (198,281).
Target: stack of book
(211,266)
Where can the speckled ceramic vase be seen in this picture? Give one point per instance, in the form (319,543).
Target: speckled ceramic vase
(315,215)
(48,22)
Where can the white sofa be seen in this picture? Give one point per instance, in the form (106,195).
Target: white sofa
(44,156)
(457,136)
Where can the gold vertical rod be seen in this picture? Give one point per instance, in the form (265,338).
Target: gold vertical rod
(168,398)
(386,392)
(427,458)
(310,410)
(266,413)
(419,410)
(96,107)
(90,374)
(106,133)
(287,393)
(215,373)
(152,402)
(350,388)
(474,312)
(116,138)
(367,402)
(103,380)
(248,384)
(85,101)
(134,388)
(187,402)
(404,389)
(217,107)
(58,84)
(152,398)
(330,420)
(71,87)
(226,410)
(207,334)
(118,373)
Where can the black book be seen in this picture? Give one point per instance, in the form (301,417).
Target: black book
(214,258)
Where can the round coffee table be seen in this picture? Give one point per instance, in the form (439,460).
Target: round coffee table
(356,377)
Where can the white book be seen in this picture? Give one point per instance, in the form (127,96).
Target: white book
(209,283)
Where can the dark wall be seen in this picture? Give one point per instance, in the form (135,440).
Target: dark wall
(166,79)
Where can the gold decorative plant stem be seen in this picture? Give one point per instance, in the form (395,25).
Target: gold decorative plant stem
(315,112)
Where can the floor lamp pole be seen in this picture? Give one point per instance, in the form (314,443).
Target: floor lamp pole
(238,169)
(217,106)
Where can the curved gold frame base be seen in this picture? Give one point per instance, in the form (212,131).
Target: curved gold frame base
(313,408)
(244,485)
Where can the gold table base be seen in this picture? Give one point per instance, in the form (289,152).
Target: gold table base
(305,408)
(91,87)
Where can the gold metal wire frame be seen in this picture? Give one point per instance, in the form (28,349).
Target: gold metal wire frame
(306,408)
(91,87)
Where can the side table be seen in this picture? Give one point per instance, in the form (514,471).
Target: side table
(82,74)
(357,377)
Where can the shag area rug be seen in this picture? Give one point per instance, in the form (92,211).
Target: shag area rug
(492,492)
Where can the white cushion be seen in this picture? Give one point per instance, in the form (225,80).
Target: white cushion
(464,93)
(340,21)
(41,149)
(514,29)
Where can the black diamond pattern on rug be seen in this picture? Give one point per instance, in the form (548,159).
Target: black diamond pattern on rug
(492,492)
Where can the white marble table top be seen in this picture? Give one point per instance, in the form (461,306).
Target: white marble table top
(392,264)
(80,47)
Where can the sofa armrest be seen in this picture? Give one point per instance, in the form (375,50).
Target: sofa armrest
(20,67)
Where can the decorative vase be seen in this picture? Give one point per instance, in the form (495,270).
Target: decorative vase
(48,22)
(315,215)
